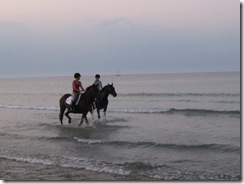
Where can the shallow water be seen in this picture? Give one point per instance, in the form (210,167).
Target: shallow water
(163,126)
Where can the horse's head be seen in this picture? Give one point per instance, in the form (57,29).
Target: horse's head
(111,90)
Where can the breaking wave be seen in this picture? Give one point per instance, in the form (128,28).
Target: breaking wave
(180,94)
(135,110)
(30,107)
(180,147)
(141,169)
(179,111)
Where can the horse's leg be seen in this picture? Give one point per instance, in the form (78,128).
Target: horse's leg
(98,113)
(67,115)
(61,114)
(87,122)
(82,117)
(104,111)
(91,111)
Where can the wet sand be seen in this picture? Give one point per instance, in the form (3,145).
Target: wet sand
(11,170)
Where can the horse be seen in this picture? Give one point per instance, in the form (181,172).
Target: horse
(101,101)
(83,106)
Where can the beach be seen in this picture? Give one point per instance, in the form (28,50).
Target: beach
(11,170)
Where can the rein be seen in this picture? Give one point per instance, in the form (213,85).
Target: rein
(104,93)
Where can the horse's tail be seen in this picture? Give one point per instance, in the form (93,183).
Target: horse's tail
(62,107)
(61,114)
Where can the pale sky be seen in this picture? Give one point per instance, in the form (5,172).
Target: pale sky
(61,37)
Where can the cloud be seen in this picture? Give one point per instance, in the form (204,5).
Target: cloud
(105,46)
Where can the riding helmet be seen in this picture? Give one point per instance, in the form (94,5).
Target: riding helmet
(76,75)
(97,76)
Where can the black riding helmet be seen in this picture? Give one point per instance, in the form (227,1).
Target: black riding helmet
(97,76)
(76,75)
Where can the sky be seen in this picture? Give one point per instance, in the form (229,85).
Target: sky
(61,37)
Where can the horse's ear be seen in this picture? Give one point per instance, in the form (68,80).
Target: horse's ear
(112,84)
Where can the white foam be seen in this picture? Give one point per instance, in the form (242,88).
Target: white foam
(30,107)
(88,141)
(29,160)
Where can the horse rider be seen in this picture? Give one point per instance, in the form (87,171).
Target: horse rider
(77,88)
(98,83)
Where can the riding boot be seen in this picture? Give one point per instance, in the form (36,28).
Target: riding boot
(73,106)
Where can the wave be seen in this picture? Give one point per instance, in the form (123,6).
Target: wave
(30,107)
(180,94)
(128,144)
(201,111)
(67,162)
(180,147)
(175,111)
(151,171)
(188,112)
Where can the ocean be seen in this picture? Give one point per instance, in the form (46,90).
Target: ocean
(163,126)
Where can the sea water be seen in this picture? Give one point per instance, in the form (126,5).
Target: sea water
(163,126)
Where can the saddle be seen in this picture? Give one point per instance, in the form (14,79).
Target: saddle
(70,99)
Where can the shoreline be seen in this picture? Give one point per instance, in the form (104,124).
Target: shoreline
(11,170)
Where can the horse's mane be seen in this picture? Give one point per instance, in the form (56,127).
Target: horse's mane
(89,87)
(105,87)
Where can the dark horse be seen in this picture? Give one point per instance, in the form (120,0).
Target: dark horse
(102,98)
(83,107)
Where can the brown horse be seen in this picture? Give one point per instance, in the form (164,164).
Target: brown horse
(102,98)
(83,107)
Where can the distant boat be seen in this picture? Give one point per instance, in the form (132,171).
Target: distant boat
(118,73)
